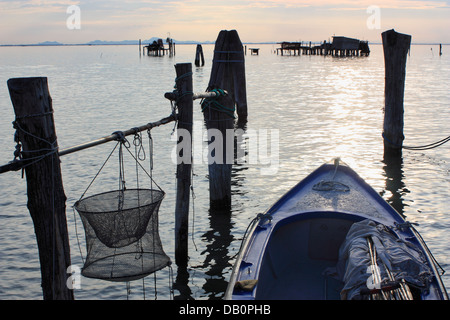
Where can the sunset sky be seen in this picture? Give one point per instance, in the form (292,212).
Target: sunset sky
(33,21)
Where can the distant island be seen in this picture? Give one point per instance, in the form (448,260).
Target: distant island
(117,43)
(104,43)
(149,41)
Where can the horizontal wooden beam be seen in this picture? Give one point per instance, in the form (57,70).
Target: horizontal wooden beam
(19,164)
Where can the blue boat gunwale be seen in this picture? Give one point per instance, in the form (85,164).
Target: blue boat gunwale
(262,230)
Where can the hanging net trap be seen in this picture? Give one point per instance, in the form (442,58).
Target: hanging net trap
(121,226)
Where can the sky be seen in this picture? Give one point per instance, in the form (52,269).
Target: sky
(72,22)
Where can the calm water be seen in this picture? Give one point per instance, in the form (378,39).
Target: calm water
(323,107)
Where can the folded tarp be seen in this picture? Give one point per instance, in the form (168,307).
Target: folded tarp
(403,259)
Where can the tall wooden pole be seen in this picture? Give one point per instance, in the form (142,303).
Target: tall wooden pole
(184,168)
(46,199)
(228,74)
(229,69)
(396,47)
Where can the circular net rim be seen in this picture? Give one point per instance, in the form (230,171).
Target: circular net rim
(158,199)
(121,277)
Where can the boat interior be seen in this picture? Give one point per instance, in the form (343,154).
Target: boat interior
(297,256)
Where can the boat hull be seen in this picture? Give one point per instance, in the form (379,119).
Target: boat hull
(290,251)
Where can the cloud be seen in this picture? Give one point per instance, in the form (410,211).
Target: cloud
(261,20)
(353,4)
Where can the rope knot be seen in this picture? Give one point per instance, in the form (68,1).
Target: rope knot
(214,104)
(120,136)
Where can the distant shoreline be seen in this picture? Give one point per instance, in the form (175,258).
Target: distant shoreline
(143,43)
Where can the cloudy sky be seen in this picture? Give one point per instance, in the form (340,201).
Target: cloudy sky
(33,21)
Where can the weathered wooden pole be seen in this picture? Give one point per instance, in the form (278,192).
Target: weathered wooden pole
(227,74)
(184,160)
(229,62)
(396,47)
(46,199)
(199,57)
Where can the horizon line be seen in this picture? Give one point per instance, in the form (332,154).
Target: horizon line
(118,43)
(97,42)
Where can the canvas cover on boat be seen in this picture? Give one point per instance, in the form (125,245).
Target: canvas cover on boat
(403,259)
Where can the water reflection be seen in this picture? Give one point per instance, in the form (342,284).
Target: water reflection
(218,240)
(393,168)
(182,284)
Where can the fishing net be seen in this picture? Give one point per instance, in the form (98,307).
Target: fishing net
(121,226)
(122,237)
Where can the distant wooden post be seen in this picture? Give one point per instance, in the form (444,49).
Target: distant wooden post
(184,167)
(199,58)
(46,199)
(396,47)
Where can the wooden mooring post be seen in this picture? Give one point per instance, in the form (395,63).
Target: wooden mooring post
(228,73)
(199,57)
(46,199)
(228,70)
(184,166)
(396,47)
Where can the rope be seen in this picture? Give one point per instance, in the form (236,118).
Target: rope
(259,217)
(76,233)
(419,148)
(226,61)
(18,154)
(193,206)
(150,150)
(217,51)
(429,146)
(178,97)
(36,115)
(212,103)
(228,56)
(187,74)
(411,225)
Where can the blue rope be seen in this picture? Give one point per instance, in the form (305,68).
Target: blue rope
(212,103)
(187,74)
(178,97)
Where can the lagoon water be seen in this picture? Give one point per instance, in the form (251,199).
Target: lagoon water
(321,108)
